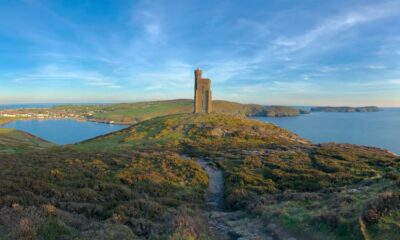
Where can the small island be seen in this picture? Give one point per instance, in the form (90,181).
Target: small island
(345,109)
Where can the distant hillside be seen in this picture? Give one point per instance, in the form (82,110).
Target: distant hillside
(13,141)
(255,109)
(4,120)
(345,109)
(136,112)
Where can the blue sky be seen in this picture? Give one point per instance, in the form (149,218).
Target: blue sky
(341,52)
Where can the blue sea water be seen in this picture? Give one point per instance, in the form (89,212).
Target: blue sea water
(64,131)
(378,129)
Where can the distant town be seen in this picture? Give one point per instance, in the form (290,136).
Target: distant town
(48,113)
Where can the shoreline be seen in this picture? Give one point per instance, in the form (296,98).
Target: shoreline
(2,123)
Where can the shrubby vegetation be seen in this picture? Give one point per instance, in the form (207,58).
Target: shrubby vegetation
(84,195)
(322,191)
(135,183)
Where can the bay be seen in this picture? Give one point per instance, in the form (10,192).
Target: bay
(379,129)
(63,131)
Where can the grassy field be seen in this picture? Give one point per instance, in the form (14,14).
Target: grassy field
(135,183)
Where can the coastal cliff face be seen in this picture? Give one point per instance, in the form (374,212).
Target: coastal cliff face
(253,110)
(277,111)
(345,109)
(139,183)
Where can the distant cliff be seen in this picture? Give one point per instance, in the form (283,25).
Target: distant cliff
(256,109)
(278,111)
(345,109)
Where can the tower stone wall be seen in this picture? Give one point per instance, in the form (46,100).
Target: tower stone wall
(202,93)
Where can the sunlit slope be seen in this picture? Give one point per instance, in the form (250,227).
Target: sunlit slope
(137,183)
(212,130)
(319,191)
(12,141)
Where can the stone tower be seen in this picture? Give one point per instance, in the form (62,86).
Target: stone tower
(202,93)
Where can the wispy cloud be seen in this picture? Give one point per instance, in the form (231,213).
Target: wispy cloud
(258,51)
(333,26)
(54,75)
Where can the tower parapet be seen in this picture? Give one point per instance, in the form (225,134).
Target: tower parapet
(202,93)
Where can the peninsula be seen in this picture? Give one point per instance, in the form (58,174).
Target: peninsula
(345,109)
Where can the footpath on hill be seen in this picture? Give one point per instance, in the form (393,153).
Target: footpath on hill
(224,224)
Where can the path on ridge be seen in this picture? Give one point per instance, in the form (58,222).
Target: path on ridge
(227,225)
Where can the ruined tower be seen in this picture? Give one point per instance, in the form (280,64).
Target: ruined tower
(202,93)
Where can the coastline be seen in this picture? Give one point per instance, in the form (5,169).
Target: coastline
(79,119)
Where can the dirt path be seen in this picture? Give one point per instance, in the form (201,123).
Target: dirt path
(215,190)
(229,225)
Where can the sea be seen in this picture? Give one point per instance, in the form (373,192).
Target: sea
(378,129)
(64,131)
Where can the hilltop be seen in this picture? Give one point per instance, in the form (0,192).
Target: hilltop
(145,182)
(213,130)
(319,191)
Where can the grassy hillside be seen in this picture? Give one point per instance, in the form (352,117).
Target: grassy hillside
(13,141)
(136,112)
(329,191)
(135,184)
(183,130)
(68,194)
